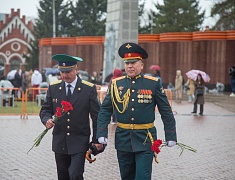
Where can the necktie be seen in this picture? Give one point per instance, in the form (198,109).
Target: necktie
(69,92)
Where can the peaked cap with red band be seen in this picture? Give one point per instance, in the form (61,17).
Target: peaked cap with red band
(131,52)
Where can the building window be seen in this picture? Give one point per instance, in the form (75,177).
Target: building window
(15,64)
(1,62)
(1,65)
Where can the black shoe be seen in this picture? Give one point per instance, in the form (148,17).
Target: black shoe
(193,112)
(200,114)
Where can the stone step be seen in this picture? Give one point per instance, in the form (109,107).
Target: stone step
(221,99)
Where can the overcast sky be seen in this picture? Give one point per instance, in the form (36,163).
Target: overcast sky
(29,7)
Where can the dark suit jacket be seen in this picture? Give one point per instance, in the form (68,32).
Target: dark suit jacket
(71,134)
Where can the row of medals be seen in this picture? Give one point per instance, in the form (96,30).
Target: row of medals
(144,98)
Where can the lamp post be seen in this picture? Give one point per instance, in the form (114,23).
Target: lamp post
(53,12)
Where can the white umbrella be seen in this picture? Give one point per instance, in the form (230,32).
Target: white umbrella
(6,84)
(11,74)
(192,74)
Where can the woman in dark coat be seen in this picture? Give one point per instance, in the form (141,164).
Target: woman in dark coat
(17,83)
(199,94)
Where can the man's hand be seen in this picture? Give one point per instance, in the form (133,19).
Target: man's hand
(103,140)
(171,143)
(99,146)
(50,124)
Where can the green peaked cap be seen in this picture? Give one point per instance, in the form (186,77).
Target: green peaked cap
(66,62)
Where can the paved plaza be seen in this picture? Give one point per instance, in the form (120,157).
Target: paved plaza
(212,135)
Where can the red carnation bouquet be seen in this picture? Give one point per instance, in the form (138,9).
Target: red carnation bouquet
(158,144)
(60,111)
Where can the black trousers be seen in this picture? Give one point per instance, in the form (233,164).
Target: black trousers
(195,108)
(70,167)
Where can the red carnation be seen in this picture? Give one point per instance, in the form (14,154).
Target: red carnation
(156,145)
(66,106)
(58,112)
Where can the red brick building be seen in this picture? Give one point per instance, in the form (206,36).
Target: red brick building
(15,37)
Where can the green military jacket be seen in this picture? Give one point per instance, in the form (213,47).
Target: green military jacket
(143,94)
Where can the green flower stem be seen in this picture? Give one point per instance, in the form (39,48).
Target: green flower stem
(181,146)
(37,141)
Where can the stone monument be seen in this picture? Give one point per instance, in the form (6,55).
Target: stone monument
(121,26)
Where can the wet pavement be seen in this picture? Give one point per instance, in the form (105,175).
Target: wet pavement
(211,134)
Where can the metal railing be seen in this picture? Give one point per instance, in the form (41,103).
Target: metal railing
(30,102)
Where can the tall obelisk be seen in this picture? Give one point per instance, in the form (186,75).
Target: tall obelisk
(121,26)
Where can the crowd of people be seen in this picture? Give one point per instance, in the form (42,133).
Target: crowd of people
(31,80)
(25,80)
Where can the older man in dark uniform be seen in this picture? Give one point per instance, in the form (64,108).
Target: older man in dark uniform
(71,133)
(133,98)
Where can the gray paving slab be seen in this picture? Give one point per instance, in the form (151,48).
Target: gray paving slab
(212,135)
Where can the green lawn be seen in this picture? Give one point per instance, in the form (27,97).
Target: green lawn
(30,108)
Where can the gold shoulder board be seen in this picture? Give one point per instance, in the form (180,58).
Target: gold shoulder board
(56,82)
(87,83)
(151,78)
(119,78)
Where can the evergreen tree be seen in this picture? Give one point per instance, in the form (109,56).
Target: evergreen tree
(88,18)
(44,23)
(44,27)
(177,16)
(225,10)
(145,27)
(32,56)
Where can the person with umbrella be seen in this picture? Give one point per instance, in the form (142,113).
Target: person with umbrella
(199,94)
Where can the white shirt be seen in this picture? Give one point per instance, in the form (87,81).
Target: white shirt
(73,84)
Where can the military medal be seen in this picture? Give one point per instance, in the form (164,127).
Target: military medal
(120,88)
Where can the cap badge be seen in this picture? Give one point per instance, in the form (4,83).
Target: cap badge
(128,46)
(63,64)
(129,54)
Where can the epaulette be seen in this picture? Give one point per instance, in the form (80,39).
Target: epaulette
(119,78)
(151,78)
(87,83)
(56,82)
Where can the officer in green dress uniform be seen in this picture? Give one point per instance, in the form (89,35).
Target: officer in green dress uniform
(133,98)
(71,134)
